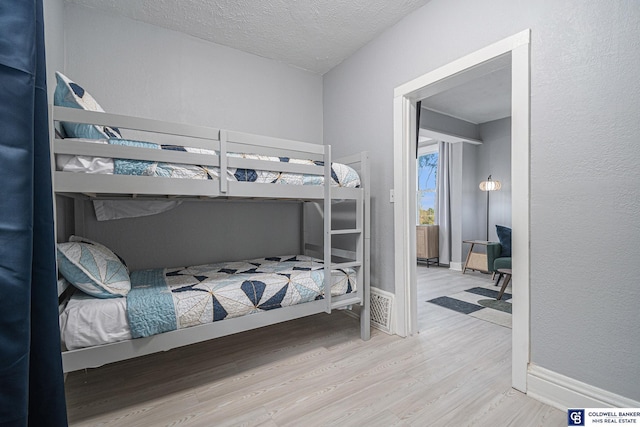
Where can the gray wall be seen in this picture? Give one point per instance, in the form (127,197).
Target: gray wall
(53,11)
(457,169)
(494,158)
(199,233)
(464,201)
(471,229)
(137,69)
(585,183)
(465,224)
(449,125)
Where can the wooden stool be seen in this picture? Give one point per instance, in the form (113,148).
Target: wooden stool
(507,279)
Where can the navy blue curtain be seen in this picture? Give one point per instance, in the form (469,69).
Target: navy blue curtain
(31,381)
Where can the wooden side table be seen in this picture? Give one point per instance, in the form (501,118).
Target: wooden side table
(476,260)
(507,279)
(427,244)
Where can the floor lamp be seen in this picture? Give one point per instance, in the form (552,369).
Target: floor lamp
(488,186)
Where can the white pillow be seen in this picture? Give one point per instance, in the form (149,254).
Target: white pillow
(94,269)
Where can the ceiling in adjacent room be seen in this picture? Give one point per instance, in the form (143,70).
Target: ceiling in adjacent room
(481,100)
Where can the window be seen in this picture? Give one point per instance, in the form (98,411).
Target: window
(427,191)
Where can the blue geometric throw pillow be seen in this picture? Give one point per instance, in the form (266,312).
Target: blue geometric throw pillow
(72,95)
(73,238)
(93,269)
(504,235)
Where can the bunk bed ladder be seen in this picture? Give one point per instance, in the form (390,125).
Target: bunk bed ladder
(362,234)
(224,137)
(365,309)
(362,246)
(327,227)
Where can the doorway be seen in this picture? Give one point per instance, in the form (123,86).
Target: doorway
(515,50)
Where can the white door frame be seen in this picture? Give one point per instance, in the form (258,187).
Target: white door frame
(516,49)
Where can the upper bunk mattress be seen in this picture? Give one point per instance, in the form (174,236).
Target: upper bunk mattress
(162,300)
(342,175)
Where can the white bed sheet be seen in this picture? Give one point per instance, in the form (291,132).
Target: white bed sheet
(87,321)
(117,209)
(85,164)
(343,175)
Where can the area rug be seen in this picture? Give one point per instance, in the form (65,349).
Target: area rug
(481,303)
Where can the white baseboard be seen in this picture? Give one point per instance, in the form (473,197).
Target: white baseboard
(456,266)
(563,392)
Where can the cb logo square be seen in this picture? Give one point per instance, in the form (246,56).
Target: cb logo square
(575,417)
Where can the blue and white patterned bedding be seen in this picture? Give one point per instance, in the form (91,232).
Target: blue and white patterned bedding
(342,175)
(162,300)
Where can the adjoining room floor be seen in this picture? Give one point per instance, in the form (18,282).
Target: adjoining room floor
(435,282)
(316,371)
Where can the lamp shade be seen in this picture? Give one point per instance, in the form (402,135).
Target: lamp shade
(490,185)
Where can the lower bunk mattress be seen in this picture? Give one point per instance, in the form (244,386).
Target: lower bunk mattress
(162,300)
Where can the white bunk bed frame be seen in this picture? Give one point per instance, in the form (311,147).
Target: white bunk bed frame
(81,186)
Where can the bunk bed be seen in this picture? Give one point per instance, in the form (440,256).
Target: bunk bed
(229,157)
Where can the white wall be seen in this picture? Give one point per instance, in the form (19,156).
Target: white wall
(137,69)
(585,183)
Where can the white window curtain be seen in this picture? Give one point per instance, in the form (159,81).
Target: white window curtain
(443,201)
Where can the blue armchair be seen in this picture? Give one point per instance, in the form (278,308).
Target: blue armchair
(499,254)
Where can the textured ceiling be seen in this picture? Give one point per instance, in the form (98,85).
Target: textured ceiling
(477,101)
(314,35)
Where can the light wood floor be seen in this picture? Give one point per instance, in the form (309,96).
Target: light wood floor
(316,371)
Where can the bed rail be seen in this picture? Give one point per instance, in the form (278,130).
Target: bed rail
(222,143)
(226,149)
(74,115)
